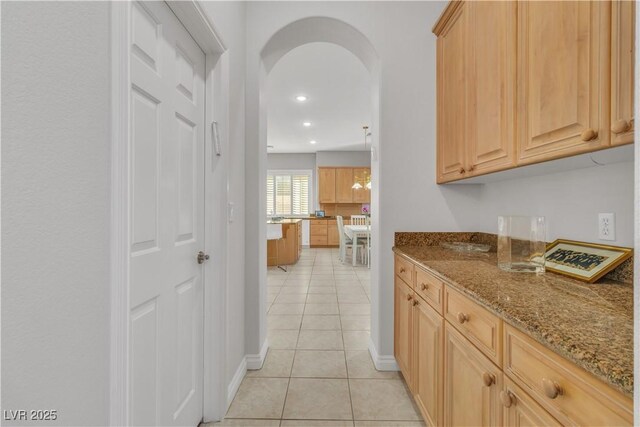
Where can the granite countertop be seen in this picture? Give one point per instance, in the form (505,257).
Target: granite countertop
(589,324)
(284,221)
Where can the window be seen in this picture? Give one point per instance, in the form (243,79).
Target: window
(288,193)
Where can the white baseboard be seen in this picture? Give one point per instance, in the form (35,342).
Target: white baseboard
(382,363)
(233,386)
(255,361)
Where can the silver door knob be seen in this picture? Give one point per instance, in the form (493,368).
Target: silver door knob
(202,257)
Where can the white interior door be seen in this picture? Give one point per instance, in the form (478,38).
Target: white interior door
(167,219)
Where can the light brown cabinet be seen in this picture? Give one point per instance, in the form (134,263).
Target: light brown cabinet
(286,251)
(362,176)
(451,70)
(564,68)
(326,185)
(344,184)
(427,364)
(563,78)
(403,328)
(472,384)
(623,15)
(522,410)
(335,185)
(475,372)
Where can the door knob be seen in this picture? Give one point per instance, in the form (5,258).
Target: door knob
(620,126)
(589,134)
(551,388)
(507,398)
(463,317)
(202,257)
(488,379)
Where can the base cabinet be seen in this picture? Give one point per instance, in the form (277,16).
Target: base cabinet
(472,384)
(456,380)
(522,410)
(403,328)
(428,335)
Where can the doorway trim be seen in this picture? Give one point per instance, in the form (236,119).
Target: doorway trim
(191,15)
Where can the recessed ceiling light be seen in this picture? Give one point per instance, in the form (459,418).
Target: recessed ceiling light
(306,124)
(301,98)
(312,142)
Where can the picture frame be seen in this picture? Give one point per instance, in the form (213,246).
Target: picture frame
(584,261)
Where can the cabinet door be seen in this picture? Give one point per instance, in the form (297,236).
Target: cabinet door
(563,78)
(521,410)
(403,328)
(472,384)
(344,184)
(451,97)
(333,238)
(326,185)
(362,176)
(491,87)
(428,330)
(623,15)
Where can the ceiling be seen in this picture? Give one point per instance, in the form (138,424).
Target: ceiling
(338,90)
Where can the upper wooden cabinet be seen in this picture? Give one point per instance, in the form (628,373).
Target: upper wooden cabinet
(563,78)
(563,68)
(335,185)
(491,89)
(451,96)
(344,184)
(623,15)
(362,176)
(327,185)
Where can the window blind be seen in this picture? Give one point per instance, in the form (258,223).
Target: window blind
(288,193)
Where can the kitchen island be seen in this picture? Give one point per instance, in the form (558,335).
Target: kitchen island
(285,251)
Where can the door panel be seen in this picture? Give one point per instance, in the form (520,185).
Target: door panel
(563,78)
(344,184)
(403,327)
(469,401)
(167,211)
(623,17)
(492,85)
(326,185)
(451,83)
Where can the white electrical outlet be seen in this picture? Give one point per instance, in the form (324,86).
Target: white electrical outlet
(607,226)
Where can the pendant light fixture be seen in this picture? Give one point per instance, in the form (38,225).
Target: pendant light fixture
(357,185)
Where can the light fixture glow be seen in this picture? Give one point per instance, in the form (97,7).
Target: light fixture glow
(368,185)
(312,142)
(306,124)
(356,186)
(301,98)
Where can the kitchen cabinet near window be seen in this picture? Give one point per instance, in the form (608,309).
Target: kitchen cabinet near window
(451,75)
(403,328)
(472,384)
(623,16)
(327,185)
(428,332)
(563,78)
(344,184)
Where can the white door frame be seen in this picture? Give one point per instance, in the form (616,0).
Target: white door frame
(202,30)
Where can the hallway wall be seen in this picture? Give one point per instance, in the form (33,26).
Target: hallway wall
(55,209)
(409,198)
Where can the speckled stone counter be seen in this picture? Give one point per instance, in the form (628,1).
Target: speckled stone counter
(589,324)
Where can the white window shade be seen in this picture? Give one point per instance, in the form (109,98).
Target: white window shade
(288,193)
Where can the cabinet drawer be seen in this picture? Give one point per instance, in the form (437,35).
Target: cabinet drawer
(318,240)
(476,323)
(318,230)
(404,270)
(570,394)
(430,288)
(318,222)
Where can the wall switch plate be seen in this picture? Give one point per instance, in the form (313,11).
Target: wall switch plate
(607,226)
(230,212)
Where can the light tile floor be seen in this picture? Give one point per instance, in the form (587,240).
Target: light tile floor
(318,371)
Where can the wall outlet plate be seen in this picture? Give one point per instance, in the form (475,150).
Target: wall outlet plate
(607,226)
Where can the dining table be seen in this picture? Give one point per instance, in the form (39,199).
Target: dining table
(355,232)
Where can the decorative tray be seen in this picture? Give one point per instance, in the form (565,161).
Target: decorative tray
(465,247)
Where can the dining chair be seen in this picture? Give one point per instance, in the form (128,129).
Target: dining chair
(345,242)
(358,220)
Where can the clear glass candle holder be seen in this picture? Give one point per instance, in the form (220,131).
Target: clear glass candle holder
(521,244)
